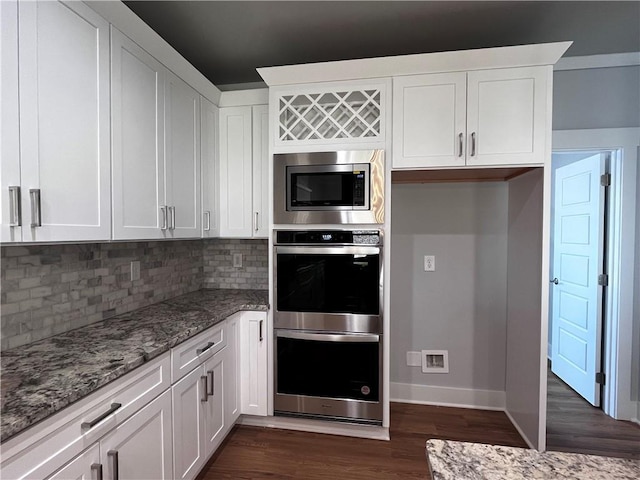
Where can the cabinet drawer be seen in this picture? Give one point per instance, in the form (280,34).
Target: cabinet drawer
(188,355)
(50,444)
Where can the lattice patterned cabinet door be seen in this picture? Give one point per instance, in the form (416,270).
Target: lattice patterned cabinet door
(347,115)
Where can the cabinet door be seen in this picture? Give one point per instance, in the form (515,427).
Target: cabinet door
(253,363)
(10,217)
(507,115)
(188,424)
(232,372)
(85,466)
(182,153)
(260,115)
(137,109)
(236,204)
(141,447)
(429,120)
(214,406)
(209,162)
(64,121)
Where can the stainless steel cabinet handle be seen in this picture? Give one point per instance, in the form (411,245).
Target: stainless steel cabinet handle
(113,455)
(255,222)
(172,211)
(473,144)
(555,281)
(163,210)
(460,152)
(87,425)
(211,374)
(205,389)
(207,217)
(36,213)
(205,348)
(15,207)
(96,467)
(260,329)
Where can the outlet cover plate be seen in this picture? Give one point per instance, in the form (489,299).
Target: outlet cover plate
(414,359)
(429,263)
(435,361)
(135,271)
(237,260)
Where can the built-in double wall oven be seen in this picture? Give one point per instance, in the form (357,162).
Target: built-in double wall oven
(328,324)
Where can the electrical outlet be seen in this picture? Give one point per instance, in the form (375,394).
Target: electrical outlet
(414,359)
(135,271)
(435,361)
(237,260)
(429,263)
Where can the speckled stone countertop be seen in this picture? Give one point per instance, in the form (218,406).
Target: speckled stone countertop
(450,460)
(42,378)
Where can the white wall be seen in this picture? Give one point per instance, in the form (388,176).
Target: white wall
(461,307)
(523,303)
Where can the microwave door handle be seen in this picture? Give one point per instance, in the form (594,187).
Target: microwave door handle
(329,337)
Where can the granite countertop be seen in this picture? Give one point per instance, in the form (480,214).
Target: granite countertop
(450,460)
(42,378)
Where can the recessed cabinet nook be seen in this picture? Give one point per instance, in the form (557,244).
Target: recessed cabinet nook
(130,142)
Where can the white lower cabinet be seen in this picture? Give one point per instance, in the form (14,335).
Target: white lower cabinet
(253,363)
(231,383)
(140,448)
(85,466)
(214,425)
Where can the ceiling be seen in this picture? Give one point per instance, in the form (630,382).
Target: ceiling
(227,40)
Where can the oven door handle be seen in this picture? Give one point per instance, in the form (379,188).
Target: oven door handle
(329,337)
(327,250)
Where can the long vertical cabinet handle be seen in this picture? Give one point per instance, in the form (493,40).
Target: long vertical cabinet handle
(113,456)
(260,329)
(97,468)
(15,207)
(460,152)
(163,210)
(473,144)
(207,218)
(36,213)
(172,211)
(255,222)
(211,375)
(205,389)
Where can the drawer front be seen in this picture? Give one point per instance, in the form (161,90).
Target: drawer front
(50,444)
(188,355)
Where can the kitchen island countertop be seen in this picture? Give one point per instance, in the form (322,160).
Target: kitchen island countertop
(449,460)
(42,378)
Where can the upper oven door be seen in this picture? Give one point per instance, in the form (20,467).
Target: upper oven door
(328,288)
(328,187)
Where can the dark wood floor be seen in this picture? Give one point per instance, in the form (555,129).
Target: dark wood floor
(573,425)
(255,453)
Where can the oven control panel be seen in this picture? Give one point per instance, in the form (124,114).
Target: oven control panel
(330,237)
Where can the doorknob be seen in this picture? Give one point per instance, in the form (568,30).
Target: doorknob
(554,281)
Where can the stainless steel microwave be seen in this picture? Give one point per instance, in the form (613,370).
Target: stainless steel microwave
(345,187)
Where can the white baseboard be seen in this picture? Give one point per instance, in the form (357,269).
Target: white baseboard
(522,434)
(448,396)
(317,426)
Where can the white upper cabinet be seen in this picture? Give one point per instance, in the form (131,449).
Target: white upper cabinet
(244,172)
(64,122)
(209,161)
(480,118)
(156,148)
(182,157)
(137,110)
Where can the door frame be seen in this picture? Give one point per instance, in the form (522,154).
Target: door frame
(618,318)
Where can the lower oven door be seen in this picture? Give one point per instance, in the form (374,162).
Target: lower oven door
(329,375)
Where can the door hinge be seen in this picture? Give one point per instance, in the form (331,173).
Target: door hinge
(600,378)
(603,279)
(605,180)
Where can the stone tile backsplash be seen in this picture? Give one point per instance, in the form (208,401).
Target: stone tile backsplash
(50,289)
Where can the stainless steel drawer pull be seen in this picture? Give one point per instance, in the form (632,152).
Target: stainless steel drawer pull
(200,351)
(460,152)
(205,389)
(97,468)
(207,217)
(36,213)
(113,455)
(172,211)
(211,374)
(255,222)
(473,144)
(87,425)
(260,330)
(163,210)
(15,207)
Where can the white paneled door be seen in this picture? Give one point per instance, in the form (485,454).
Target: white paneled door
(577,262)
(64,122)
